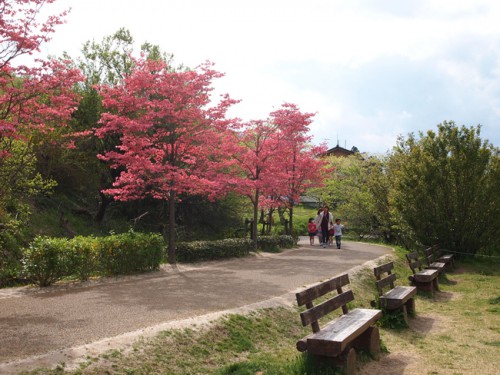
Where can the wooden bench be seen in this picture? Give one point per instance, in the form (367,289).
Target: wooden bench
(339,338)
(398,298)
(431,261)
(423,279)
(444,258)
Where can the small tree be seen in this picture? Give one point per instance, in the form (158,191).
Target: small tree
(171,142)
(257,170)
(443,187)
(298,164)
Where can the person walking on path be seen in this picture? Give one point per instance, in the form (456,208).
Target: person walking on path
(325,222)
(312,230)
(318,227)
(337,232)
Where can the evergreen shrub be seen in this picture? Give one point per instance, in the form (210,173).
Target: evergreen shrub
(47,259)
(212,250)
(274,244)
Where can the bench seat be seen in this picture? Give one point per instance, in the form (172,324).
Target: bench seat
(337,335)
(394,298)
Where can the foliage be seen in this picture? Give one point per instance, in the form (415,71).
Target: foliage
(393,320)
(171,143)
(446,188)
(47,259)
(196,251)
(275,243)
(129,252)
(356,190)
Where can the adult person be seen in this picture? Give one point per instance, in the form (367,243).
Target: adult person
(318,227)
(325,222)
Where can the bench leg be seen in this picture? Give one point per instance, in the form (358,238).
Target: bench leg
(435,284)
(404,310)
(369,341)
(346,360)
(410,307)
(350,362)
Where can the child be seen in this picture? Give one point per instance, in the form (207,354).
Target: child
(337,227)
(311,226)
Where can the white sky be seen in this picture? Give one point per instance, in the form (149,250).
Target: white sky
(370,69)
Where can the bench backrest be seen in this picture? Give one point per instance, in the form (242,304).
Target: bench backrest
(339,299)
(436,250)
(429,255)
(414,262)
(384,280)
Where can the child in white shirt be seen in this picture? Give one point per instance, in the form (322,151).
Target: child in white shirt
(337,228)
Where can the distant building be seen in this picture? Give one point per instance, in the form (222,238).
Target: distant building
(341,151)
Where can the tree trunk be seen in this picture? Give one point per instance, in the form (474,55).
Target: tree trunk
(291,218)
(103,205)
(171,229)
(255,214)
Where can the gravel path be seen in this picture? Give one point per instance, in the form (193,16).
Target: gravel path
(65,322)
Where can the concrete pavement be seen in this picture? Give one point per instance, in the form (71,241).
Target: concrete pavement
(64,322)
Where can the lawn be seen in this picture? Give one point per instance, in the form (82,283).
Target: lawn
(456,332)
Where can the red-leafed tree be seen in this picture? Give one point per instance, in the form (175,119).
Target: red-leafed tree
(299,164)
(32,99)
(258,144)
(171,142)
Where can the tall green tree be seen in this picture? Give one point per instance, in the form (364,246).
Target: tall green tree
(446,188)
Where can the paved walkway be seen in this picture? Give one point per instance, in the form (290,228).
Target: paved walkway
(63,322)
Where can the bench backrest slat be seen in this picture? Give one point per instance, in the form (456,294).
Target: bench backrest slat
(317,312)
(378,271)
(310,294)
(386,281)
(429,255)
(414,262)
(436,250)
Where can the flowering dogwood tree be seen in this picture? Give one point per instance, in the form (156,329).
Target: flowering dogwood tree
(32,99)
(171,142)
(300,166)
(255,158)
(35,100)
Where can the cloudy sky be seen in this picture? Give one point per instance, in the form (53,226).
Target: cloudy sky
(370,69)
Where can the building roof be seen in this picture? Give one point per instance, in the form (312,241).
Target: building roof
(341,151)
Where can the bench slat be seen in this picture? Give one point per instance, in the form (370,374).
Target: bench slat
(317,312)
(382,269)
(338,334)
(426,275)
(398,296)
(310,294)
(389,280)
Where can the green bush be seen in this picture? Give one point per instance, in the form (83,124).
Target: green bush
(273,244)
(46,260)
(212,250)
(84,256)
(129,252)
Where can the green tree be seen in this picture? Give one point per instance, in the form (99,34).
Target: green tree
(357,191)
(446,188)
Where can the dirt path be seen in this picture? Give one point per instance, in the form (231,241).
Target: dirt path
(64,323)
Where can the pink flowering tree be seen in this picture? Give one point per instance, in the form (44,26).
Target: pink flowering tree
(172,142)
(33,100)
(36,101)
(256,163)
(299,164)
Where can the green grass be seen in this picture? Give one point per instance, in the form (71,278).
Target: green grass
(456,332)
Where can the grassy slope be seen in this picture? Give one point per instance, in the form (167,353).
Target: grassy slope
(457,332)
